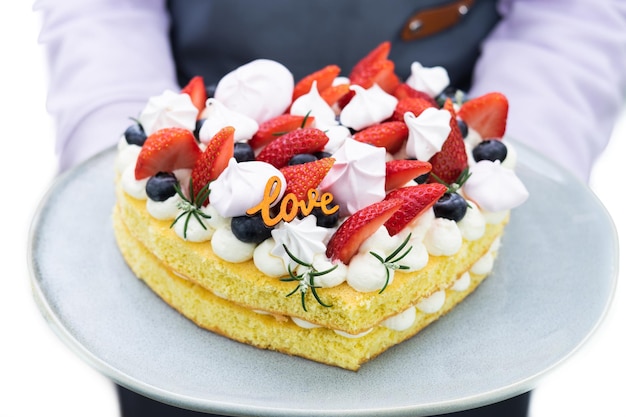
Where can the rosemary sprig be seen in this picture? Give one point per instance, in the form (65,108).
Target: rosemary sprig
(458,183)
(192,206)
(391,261)
(305,280)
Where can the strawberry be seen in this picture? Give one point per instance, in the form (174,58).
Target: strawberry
(277,126)
(486,114)
(399,172)
(451,160)
(214,159)
(404,91)
(166,150)
(378,54)
(282,149)
(414,105)
(324,78)
(333,94)
(303,177)
(388,135)
(375,68)
(415,201)
(345,242)
(197,91)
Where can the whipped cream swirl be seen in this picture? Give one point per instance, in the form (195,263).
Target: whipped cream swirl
(494,188)
(242,186)
(169,109)
(367,107)
(357,179)
(218,116)
(261,89)
(427,132)
(430,80)
(303,237)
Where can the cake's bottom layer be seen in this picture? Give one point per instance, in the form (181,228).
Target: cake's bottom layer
(263,330)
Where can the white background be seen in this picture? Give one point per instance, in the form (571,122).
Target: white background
(41,376)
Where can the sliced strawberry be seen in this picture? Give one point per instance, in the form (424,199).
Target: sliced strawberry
(388,135)
(486,114)
(416,200)
(345,243)
(324,78)
(378,54)
(282,149)
(166,150)
(414,105)
(451,160)
(197,91)
(303,177)
(375,68)
(404,90)
(399,172)
(214,159)
(277,126)
(334,93)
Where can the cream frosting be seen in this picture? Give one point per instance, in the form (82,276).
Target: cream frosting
(462,283)
(169,109)
(367,107)
(192,230)
(473,224)
(226,245)
(431,80)
(443,237)
(266,262)
(427,132)
(218,116)
(494,188)
(401,321)
(357,178)
(126,155)
(433,303)
(241,186)
(366,273)
(261,89)
(164,210)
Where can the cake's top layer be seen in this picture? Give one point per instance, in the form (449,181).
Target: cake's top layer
(328,180)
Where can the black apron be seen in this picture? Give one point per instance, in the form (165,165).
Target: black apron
(211,38)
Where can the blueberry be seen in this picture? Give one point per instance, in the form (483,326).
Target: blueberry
(250,229)
(326,220)
(422,178)
(450,206)
(135,135)
(302,158)
(322,154)
(160,187)
(491,150)
(196,132)
(463,127)
(243,152)
(457,96)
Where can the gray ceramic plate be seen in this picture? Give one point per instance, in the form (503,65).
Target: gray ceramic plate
(551,287)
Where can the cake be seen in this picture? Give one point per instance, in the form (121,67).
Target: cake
(329,218)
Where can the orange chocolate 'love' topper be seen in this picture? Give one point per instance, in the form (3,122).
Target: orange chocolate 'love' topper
(290,205)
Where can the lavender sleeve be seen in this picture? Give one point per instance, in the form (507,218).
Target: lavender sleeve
(106,57)
(562,64)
